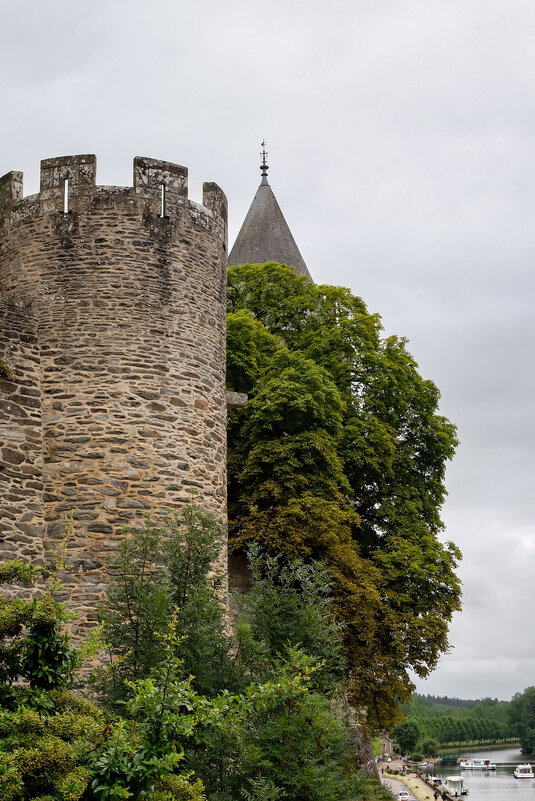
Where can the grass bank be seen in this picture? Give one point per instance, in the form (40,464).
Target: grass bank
(417,786)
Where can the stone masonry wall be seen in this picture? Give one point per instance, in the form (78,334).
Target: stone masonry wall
(127,292)
(21,444)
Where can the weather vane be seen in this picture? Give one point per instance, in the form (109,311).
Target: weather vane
(264,166)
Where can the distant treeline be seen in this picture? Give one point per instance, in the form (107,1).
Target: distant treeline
(436,722)
(444,700)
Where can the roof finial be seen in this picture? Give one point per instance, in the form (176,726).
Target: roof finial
(264,166)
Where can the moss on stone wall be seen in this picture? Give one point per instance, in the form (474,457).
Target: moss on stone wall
(6,371)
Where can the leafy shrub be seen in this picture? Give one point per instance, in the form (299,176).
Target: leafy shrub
(56,746)
(286,734)
(157,570)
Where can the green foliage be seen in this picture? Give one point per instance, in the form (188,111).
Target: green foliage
(249,346)
(282,738)
(158,570)
(406,734)
(178,788)
(286,468)
(32,647)
(48,659)
(299,741)
(340,456)
(278,736)
(377,747)
(284,734)
(56,746)
(6,371)
(45,736)
(136,611)
(44,731)
(288,605)
(193,541)
(263,789)
(287,735)
(430,748)
(14,570)
(454,722)
(522,718)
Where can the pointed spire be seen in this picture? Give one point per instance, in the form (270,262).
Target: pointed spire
(265,235)
(264,166)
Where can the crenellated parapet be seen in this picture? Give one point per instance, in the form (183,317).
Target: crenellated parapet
(113,322)
(68,185)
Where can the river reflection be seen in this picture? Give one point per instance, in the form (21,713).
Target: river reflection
(498,785)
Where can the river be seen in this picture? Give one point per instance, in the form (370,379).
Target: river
(498,785)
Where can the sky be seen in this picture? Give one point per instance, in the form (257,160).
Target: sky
(401,141)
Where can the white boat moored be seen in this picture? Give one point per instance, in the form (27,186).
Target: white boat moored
(466,763)
(524,771)
(455,786)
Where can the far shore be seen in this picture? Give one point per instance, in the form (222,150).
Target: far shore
(469,749)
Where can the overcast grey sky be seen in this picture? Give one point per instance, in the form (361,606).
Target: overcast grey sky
(401,136)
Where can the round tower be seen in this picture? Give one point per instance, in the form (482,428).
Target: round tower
(112,307)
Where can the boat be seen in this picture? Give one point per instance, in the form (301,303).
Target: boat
(455,786)
(524,771)
(467,763)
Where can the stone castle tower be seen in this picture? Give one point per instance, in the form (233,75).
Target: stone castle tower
(112,332)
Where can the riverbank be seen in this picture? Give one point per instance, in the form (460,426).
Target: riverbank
(416,785)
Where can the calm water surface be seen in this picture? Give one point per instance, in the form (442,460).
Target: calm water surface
(498,785)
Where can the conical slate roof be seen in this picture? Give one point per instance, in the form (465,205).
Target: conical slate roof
(265,235)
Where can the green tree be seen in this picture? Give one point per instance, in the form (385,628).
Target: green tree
(340,456)
(289,490)
(159,571)
(522,718)
(461,721)
(249,346)
(430,748)
(135,613)
(287,734)
(193,539)
(289,605)
(406,735)
(143,752)
(38,717)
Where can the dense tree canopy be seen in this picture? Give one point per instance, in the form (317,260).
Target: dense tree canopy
(522,717)
(340,455)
